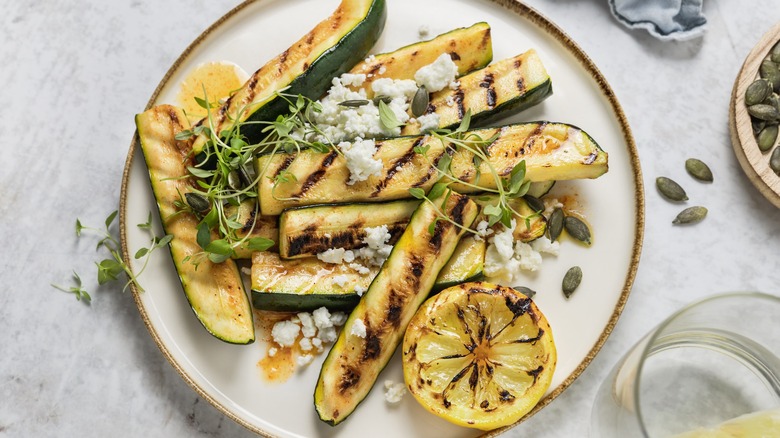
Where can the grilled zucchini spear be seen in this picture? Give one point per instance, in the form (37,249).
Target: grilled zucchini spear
(214,290)
(307,67)
(552,151)
(399,288)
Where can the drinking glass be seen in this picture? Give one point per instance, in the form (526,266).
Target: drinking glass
(714,360)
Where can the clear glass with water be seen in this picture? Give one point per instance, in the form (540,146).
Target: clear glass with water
(714,360)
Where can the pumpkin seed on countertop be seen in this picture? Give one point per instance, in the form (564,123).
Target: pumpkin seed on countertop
(530,293)
(757,92)
(571,281)
(774,161)
(767,137)
(198,202)
(420,101)
(763,111)
(555,224)
(691,215)
(698,169)
(354,103)
(577,229)
(670,189)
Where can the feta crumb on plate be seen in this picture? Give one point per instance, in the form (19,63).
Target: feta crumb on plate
(394,392)
(285,333)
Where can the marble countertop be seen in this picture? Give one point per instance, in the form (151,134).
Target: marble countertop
(75,73)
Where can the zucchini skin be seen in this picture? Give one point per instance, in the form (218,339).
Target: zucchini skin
(471,48)
(215,292)
(314,74)
(492,93)
(400,287)
(552,151)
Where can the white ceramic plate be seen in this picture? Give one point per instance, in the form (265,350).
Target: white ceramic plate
(228,375)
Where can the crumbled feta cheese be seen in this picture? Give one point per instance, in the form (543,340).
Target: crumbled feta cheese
(272,352)
(328,334)
(336,256)
(360,290)
(402,89)
(338,318)
(551,204)
(530,260)
(317,343)
(307,323)
(362,270)
(450,101)
(340,280)
(483,231)
(454,85)
(360,159)
(322,318)
(382,70)
(428,122)
(423,31)
(545,246)
(505,241)
(358,329)
(377,250)
(437,75)
(394,392)
(305,344)
(304,359)
(370,59)
(285,333)
(353,80)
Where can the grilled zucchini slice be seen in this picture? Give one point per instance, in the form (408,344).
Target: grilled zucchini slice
(307,67)
(399,288)
(308,231)
(552,151)
(304,284)
(215,291)
(254,225)
(470,48)
(497,91)
(466,263)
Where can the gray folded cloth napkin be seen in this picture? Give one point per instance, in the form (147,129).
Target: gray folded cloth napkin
(664,19)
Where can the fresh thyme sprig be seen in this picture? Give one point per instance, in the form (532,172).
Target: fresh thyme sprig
(506,189)
(111,268)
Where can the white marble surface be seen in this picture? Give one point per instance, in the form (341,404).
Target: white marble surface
(75,73)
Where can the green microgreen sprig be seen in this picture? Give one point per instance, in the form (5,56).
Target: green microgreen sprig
(111,268)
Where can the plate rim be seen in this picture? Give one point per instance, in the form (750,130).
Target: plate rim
(572,48)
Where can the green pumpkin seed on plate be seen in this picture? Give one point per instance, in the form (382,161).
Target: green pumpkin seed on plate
(571,281)
(555,224)
(577,229)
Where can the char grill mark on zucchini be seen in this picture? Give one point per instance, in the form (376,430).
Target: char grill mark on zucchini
(497,91)
(307,67)
(552,151)
(399,288)
(308,231)
(469,48)
(215,291)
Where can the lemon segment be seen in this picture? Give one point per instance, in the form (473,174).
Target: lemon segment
(479,355)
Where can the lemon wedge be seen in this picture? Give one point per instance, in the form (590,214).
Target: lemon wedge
(479,355)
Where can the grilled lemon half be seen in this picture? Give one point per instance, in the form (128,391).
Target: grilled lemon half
(479,355)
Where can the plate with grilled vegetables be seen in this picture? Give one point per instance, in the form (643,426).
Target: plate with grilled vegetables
(413,218)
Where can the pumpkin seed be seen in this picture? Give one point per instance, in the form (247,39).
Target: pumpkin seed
(774,54)
(571,281)
(197,202)
(420,101)
(770,72)
(758,125)
(530,293)
(577,229)
(535,203)
(691,215)
(555,224)
(774,161)
(763,111)
(234,180)
(757,92)
(670,189)
(385,99)
(698,169)
(354,103)
(767,137)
